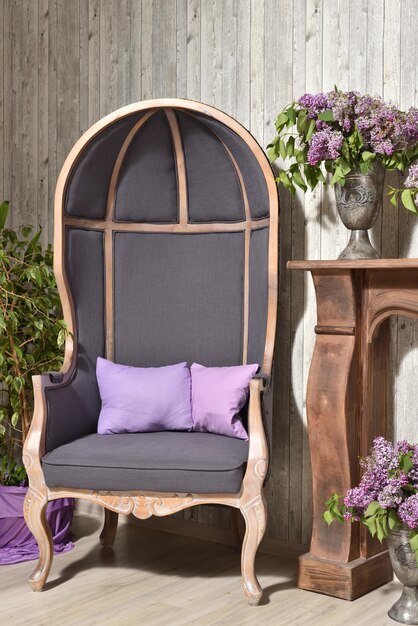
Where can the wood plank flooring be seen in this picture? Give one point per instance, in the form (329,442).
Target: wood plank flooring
(160,579)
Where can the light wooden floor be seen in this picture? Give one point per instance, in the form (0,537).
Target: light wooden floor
(160,579)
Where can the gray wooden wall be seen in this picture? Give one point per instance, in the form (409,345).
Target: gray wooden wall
(66,63)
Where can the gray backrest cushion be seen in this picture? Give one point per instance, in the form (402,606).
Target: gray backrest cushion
(178,297)
(76,408)
(147,185)
(214,192)
(86,194)
(255,183)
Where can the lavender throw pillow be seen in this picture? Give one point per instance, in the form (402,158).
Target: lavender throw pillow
(143,399)
(218,395)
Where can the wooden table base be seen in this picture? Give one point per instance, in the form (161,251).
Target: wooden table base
(344,580)
(348,404)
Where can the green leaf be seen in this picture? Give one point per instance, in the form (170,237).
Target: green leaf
(405,462)
(368,156)
(326,116)
(379,530)
(393,520)
(285,180)
(282,149)
(291,115)
(301,123)
(298,180)
(311,128)
(328,517)
(394,199)
(290,147)
(15,419)
(365,167)
(26,231)
(281,120)
(371,525)
(61,338)
(373,508)
(414,540)
(272,154)
(4,212)
(407,197)
(2,321)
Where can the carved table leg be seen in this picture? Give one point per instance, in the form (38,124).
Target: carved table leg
(35,516)
(255,515)
(339,420)
(110,526)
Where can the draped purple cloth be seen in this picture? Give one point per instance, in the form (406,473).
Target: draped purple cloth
(17,543)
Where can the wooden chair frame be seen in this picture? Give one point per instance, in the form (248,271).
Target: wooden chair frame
(250,500)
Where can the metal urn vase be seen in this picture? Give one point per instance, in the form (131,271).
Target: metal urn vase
(358,203)
(403,559)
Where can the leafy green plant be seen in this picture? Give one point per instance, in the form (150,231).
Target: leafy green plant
(32,334)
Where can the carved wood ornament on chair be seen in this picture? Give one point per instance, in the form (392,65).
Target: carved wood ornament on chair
(166,237)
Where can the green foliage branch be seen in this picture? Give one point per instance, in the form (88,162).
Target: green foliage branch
(32,335)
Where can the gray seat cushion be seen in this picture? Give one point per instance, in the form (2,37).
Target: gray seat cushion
(162,461)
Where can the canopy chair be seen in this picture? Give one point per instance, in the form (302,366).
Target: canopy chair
(166,237)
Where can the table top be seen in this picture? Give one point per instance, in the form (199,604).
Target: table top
(375,264)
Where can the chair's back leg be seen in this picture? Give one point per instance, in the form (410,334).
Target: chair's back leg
(110,526)
(255,515)
(35,516)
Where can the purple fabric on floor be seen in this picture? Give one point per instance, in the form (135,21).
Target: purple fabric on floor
(17,543)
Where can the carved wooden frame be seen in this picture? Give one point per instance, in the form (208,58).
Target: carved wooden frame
(250,500)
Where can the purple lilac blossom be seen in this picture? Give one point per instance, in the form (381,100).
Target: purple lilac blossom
(342,105)
(411,124)
(391,495)
(412,181)
(403,447)
(383,127)
(408,511)
(324,144)
(314,103)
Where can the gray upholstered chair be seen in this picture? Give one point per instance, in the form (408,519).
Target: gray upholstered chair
(165,251)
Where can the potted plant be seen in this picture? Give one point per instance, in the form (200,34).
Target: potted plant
(386,502)
(31,336)
(351,140)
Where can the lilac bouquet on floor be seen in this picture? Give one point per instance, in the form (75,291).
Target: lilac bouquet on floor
(340,131)
(387,496)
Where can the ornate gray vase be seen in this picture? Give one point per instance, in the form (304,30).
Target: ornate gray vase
(358,203)
(405,610)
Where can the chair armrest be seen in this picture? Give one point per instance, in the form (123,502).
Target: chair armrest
(266,381)
(258,450)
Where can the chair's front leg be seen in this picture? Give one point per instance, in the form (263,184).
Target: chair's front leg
(110,526)
(252,503)
(35,516)
(255,515)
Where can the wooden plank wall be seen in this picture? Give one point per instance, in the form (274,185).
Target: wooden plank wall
(66,63)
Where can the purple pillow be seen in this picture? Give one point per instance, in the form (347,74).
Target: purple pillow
(218,395)
(143,399)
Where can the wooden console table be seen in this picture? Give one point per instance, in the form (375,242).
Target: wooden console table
(348,404)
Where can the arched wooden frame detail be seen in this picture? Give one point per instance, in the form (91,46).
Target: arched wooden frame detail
(250,500)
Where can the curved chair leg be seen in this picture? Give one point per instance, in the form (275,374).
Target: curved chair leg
(255,516)
(237,526)
(110,526)
(35,516)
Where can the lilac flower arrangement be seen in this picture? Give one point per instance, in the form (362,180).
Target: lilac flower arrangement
(337,132)
(387,496)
